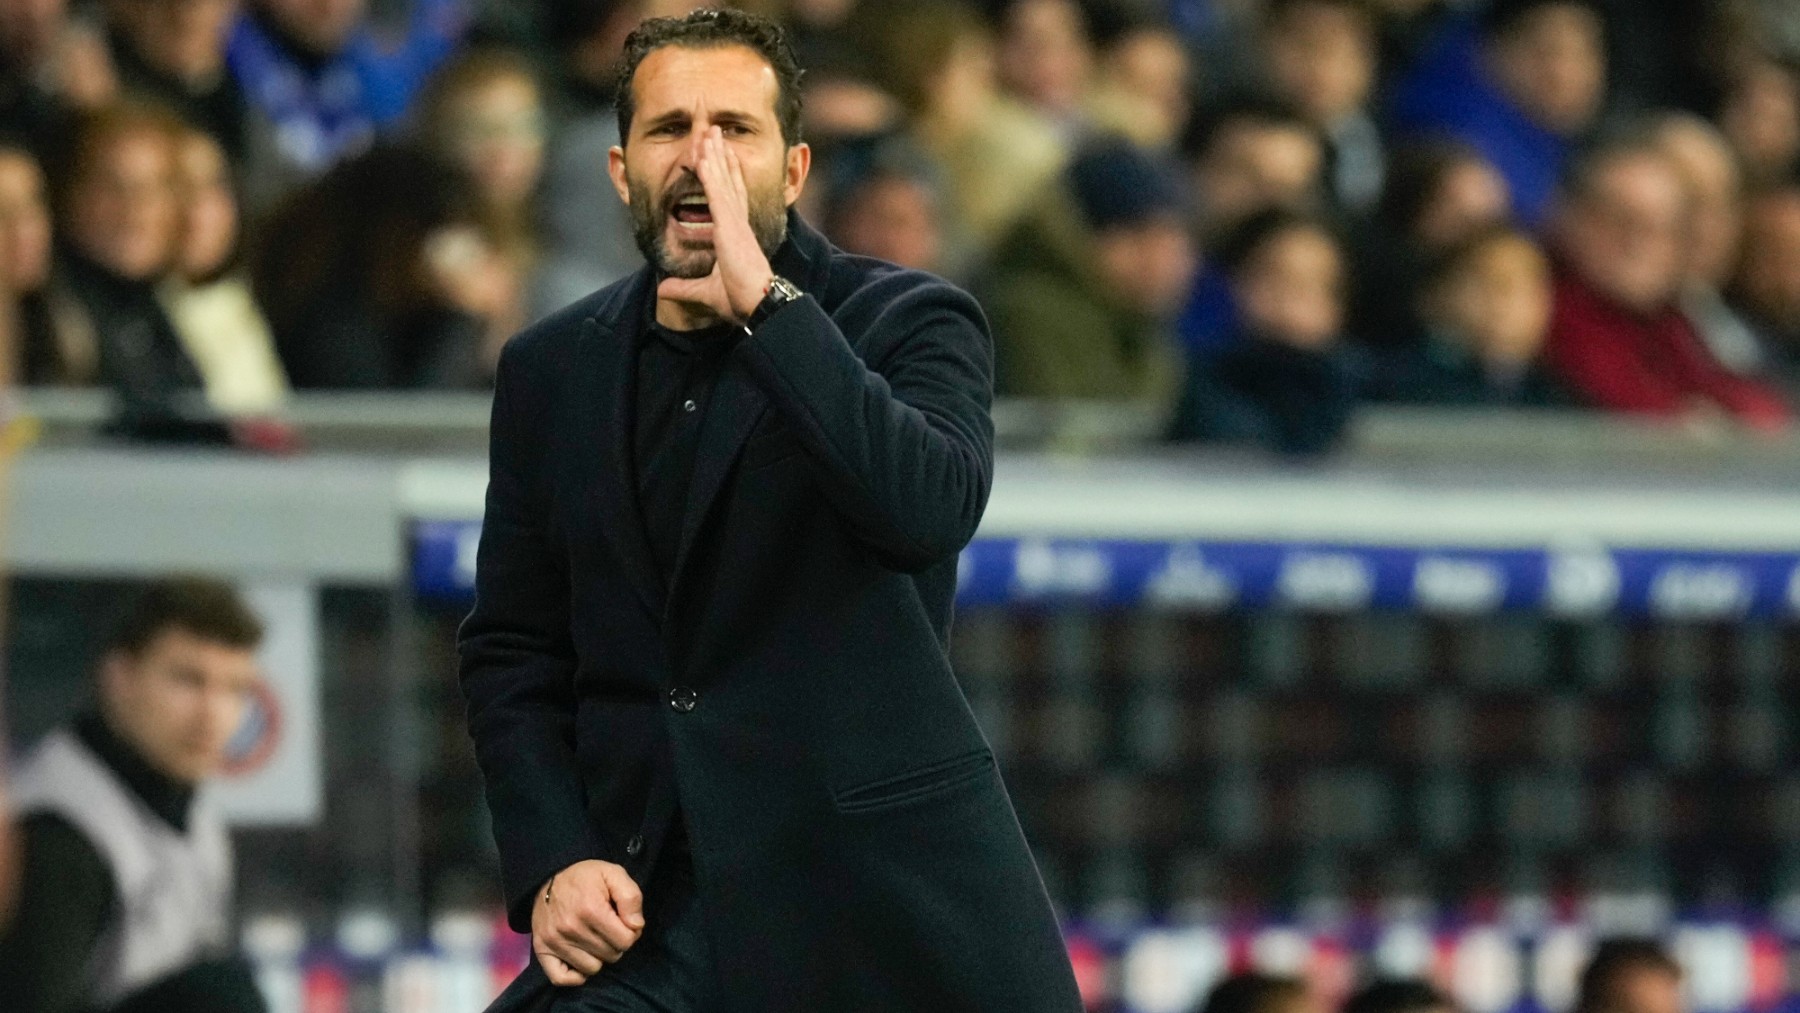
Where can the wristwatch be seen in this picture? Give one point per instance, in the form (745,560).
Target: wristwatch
(781,292)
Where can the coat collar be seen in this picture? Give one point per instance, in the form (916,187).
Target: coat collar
(608,393)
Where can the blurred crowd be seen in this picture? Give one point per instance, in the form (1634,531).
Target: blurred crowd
(1241,218)
(1625,974)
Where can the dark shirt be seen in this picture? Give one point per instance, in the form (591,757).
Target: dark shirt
(675,375)
(1439,371)
(1264,393)
(68,898)
(676,371)
(141,357)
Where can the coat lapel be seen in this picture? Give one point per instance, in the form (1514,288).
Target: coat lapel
(608,386)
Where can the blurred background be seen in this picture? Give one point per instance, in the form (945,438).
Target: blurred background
(1394,559)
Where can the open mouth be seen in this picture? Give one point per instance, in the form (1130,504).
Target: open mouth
(692,212)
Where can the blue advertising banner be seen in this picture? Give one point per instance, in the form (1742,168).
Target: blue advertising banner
(1206,575)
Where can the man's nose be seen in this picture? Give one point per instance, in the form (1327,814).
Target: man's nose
(696,146)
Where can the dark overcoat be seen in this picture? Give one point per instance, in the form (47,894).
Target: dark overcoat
(788,685)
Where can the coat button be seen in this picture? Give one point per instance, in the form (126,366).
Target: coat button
(683,699)
(635,845)
(689,405)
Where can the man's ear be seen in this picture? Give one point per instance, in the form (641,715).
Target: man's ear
(799,163)
(615,167)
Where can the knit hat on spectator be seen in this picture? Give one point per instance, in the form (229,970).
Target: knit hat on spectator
(1118,184)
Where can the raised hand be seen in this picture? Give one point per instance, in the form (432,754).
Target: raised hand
(586,917)
(741,271)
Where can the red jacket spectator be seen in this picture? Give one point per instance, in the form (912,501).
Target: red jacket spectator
(1652,364)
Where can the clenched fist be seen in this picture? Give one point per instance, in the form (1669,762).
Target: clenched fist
(586,917)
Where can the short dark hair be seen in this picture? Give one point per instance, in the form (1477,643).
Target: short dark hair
(1397,995)
(1416,174)
(1250,992)
(1241,245)
(1612,961)
(708,28)
(1254,109)
(210,609)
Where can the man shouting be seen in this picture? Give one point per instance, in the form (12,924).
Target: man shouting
(728,764)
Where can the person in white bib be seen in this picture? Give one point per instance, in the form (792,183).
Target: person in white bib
(125,902)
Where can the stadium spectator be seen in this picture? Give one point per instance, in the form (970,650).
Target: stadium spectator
(1141,82)
(118,222)
(1259,993)
(1715,195)
(937,59)
(1399,995)
(1617,337)
(1760,114)
(890,204)
(484,113)
(840,99)
(207,297)
(1485,309)
(25,259)
(1245,156)
(126,893)
(1767,286)
(1083,291)
(1629,975)
(52,66)
(1047,60)
(585,228)
(1286,382)
(1524,87)
(173,51)
(321,85)
(1320,55)
(1249,155)
(383,275)
(1437,195)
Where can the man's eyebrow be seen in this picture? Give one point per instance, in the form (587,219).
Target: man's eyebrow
(672,116)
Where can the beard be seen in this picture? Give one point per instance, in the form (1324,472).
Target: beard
(653,215)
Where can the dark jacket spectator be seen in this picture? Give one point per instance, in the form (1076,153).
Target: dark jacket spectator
(1767,287)
(1082,292)
(173,51)
(1438,195)
(118,222)
(1287,383)
(1321,56)
(1246,155)
(365,276)
(1617,336)
(1486,309)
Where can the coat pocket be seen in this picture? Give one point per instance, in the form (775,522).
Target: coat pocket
(915,785)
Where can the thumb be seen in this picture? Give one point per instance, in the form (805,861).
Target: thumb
(684,289)
(627,899)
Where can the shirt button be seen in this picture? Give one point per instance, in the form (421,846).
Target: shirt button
(635,845)
(683,699)
(689,405)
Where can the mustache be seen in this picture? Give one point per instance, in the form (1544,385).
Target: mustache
(681,192)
